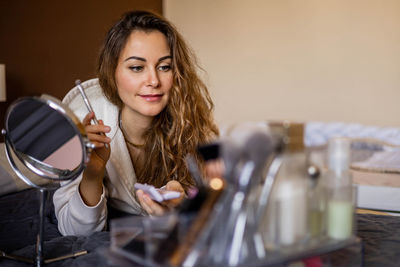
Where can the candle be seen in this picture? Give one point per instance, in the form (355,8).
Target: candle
(340,219)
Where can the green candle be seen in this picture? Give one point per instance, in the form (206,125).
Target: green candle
(340,219)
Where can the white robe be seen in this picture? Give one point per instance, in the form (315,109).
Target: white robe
(74,216)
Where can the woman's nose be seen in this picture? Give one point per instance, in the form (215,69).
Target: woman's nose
(153,79)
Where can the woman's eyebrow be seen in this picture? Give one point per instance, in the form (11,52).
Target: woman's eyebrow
(164,58)
(135,57)
(144,60)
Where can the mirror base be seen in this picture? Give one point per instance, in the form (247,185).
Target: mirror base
(39,259)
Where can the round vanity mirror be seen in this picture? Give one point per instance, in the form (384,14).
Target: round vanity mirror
(44,136)
(45,144)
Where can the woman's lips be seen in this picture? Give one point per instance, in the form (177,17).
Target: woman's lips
(151,98)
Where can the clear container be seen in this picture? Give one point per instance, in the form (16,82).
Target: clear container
(340,192)
(145,239)
(316,204)
(286,220)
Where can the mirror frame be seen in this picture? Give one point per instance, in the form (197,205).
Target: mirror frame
(40,168)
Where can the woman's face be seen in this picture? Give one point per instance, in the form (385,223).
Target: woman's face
(144,73)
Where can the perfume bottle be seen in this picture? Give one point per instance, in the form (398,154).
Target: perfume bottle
(339,189)
(286,220)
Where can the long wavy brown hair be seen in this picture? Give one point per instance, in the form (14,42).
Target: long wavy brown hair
(186,122)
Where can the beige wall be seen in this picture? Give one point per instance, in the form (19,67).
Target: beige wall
(331,60)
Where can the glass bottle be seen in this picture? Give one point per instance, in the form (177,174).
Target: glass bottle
(316,203)
(286,220)
(339,188)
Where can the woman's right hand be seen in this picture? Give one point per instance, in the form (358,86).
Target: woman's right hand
(100,155)
(91,186)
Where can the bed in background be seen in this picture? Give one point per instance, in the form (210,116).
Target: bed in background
(19,223)
(375,160)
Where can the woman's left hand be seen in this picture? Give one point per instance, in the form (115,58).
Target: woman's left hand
(155,208)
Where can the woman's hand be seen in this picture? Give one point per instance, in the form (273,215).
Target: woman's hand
(154,208)
(101,153)
(174,186)
(91,186)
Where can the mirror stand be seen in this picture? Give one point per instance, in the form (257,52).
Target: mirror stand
(45,137)
(39,258)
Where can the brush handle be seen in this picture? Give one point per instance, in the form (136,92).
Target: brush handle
(88,105)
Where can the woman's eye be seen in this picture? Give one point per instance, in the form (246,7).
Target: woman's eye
(164,68)
(136,68)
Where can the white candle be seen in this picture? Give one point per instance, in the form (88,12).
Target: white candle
(292,208)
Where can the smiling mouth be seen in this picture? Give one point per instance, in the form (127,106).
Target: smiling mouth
(151,98)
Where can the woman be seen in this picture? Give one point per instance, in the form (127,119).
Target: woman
(153,110)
